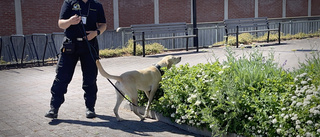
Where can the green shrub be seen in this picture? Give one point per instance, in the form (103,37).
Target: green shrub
(247,38)
(248,96)
(153,48)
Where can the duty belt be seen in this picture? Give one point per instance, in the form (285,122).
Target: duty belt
(79,39)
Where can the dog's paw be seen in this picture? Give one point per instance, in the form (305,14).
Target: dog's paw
(145,116)
(119,119)
(142,118)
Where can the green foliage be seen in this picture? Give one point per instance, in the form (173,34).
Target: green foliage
(153,48)
(248,96)
(311,67)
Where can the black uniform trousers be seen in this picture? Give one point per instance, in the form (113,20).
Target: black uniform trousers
(65,69)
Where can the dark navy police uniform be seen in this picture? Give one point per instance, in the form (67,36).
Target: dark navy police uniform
(94,13)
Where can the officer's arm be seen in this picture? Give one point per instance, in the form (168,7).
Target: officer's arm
(66,23)
(101,27)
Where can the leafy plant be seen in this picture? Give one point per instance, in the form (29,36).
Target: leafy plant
(153,48)
(247,38)
(248,95)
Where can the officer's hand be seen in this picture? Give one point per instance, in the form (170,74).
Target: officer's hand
(75,19)
(91,34)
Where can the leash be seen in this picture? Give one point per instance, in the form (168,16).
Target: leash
(121,93)
(89,46)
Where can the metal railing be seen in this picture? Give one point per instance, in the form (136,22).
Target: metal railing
(38,49)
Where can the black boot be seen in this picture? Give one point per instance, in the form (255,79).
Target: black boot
(53,113)
(90,113)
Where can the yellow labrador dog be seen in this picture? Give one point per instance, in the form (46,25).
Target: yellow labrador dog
(146,80)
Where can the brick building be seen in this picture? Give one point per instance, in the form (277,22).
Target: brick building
(40,16)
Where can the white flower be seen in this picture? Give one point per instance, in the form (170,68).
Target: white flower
(298,127)
(295,117)
(318,130)
(193,96)
(296,79)
(308,134)
(212,98)
(294,97)
(278,131)
(309,79)
(250,118)
(192,111)
(224,67)
(298,122)
(309,122)
(283,109)
(309,91)
(197,103)
(178,121)
(184,117)
(172,115)
(198,124)
(274,121)
(304,82)
(189,99)
(305,103)
(302,75)
(299,104)
(286,117)
(220,72)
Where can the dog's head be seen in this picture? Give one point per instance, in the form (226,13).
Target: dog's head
(168,61)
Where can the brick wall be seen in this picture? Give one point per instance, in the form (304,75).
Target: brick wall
(174,11)
(241,9)
(297,8)
(270,8)
(7,16)
(135,12)
(315,8)
(41,16)
(108,11)
(210,10)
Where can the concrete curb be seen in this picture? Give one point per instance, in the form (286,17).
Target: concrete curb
(160,117)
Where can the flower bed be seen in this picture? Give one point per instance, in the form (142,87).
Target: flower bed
(247,96)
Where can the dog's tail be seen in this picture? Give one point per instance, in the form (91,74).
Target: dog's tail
(104,73)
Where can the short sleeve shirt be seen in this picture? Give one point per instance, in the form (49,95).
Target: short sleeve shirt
(92,10)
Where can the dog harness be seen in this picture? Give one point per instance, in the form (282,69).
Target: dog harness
(159,68)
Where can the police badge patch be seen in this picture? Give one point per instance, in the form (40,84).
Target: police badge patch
(76,6)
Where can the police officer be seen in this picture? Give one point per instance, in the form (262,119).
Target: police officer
(82,21)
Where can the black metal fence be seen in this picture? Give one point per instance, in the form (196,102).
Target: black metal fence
(40,49)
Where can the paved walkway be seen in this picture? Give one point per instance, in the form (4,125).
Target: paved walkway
(25,95)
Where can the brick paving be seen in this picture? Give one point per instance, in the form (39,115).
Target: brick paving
(25,95)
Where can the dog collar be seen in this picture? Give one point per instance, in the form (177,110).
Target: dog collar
(159,68)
